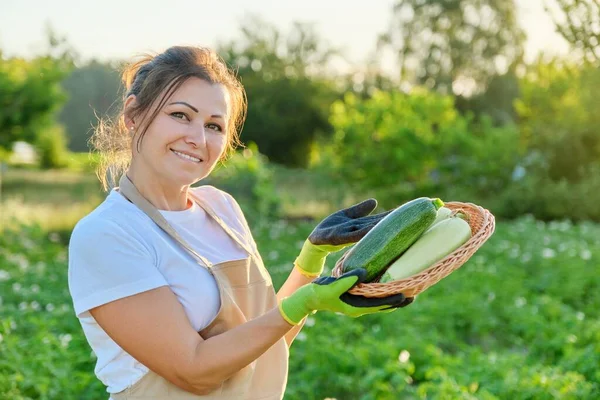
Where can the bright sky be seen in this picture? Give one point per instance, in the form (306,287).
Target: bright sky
(120,28)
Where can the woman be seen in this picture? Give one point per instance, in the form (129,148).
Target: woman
(166,279)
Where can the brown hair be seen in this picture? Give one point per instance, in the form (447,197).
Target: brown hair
(147,78)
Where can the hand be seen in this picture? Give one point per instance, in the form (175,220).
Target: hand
(326,293)
(339,230)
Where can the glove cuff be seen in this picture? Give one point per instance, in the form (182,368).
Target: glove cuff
(311,260)
(291,312)
(306,273)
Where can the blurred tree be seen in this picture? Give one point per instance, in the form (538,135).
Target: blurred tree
(496,101)
(288,90)
(454,46)
(92,89)
(558,118)
(30,92)
(366,79)
(580,25)
(397,146)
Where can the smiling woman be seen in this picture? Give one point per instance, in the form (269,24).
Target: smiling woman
(184,141)
(214,99)
(166,280)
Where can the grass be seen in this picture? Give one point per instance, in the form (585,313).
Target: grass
(311,194)
(521,320)
(54,199)
(57,199)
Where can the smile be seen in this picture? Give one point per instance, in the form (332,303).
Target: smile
(186,157)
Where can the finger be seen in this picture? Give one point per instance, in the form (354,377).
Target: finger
(374,217)
(407,302)
(362,301)
(350,232)
(360,272)
(348,280)
(362,231)
(324,280)
(365,224)
(361,209)
(403,304)
(350,238)
(359,311)
(345,233)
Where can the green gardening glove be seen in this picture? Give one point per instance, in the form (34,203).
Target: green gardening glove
(324,294)
(339,230)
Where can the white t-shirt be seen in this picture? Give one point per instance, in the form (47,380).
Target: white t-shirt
(118,251)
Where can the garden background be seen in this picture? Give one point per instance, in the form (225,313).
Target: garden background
(457,111)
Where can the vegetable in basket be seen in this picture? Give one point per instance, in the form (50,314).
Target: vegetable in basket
(391,237)
(434,245)
(442,214)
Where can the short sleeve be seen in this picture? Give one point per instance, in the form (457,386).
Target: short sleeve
(107,263)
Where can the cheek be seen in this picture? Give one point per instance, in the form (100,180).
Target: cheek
(161,135)
(219,144)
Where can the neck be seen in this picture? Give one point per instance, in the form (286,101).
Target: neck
(163,195)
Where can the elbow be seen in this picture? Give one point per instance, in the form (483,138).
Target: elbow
(203,390)
(200,384)
(198,387)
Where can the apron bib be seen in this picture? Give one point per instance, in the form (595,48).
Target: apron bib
(246,292)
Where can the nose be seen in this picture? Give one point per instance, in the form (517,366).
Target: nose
(196,136)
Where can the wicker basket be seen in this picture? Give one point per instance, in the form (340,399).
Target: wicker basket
(482,224)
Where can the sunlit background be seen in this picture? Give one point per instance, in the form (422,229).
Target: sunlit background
(492,102)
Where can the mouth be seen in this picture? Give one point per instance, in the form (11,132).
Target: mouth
(187,157)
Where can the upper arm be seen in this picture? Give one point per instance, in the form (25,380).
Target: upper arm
(113,276)
(153,328)
(107,262)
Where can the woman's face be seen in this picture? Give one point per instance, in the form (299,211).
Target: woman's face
(188,136)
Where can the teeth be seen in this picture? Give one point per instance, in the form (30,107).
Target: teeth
(194,159)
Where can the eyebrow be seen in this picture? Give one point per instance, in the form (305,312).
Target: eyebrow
(195,109)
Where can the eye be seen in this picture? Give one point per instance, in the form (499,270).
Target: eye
(215,127)
(180,115)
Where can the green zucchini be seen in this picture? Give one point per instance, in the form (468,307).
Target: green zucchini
(391,237)
(434,245)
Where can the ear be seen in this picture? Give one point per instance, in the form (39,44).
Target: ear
(130,102)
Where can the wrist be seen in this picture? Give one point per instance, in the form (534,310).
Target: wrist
(296,307)
(311,260)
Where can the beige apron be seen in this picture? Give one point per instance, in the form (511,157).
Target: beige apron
(246,292)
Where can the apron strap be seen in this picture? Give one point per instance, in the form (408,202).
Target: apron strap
(130,192)
(234,235)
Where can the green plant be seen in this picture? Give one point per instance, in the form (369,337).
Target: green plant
(245,176)
(399,146)
(51,145)
(520,320)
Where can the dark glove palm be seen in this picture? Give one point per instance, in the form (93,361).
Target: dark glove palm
(347,226)
(339,230)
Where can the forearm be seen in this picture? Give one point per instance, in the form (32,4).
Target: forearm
(219,357)
(294,281)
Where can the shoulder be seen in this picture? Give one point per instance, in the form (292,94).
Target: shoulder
(227,207)
(218,198)
(115,221)
(211,192)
